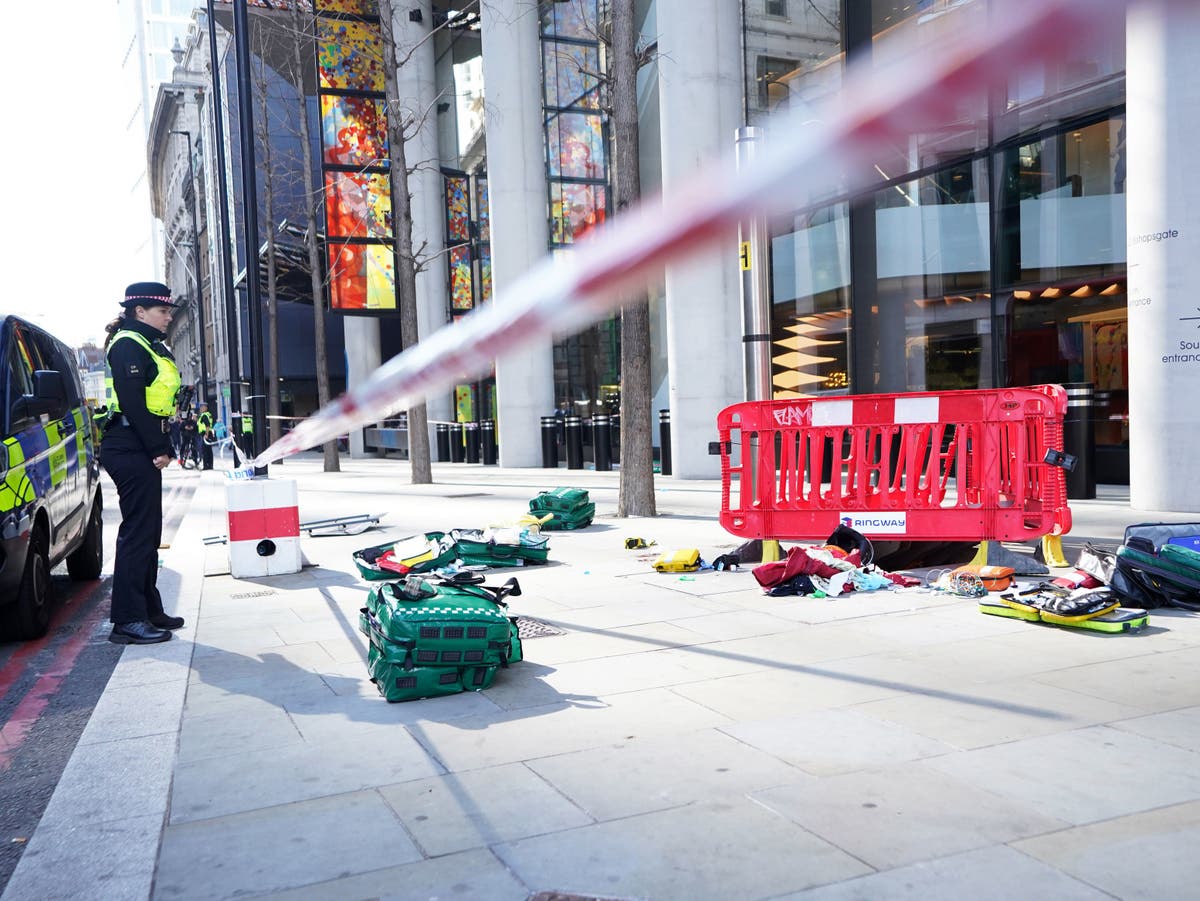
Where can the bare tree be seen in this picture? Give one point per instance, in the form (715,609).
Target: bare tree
(405,120)
(636,493)
(268,169)
(311,196)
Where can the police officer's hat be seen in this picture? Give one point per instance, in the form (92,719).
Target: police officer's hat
(148,294)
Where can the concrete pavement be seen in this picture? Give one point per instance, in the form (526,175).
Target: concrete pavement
(686,737)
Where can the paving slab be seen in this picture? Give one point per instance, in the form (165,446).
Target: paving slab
(1180,728)
(643,775)
(322,839)
(725,849)
(1080,776)
(468,875)
(897,815)
(1130,857)
(826,742)
(989,874)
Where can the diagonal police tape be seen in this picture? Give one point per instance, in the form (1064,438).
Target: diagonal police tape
(804,160)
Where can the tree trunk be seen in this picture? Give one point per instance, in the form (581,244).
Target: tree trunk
(313,196)
(636,493)
(268,173)
(406,268)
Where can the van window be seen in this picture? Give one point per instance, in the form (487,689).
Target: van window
(18,377)
(55,356)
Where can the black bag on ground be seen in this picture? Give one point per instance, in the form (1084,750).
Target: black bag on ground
(850,540)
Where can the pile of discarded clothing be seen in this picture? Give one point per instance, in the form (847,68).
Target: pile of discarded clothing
(825,571)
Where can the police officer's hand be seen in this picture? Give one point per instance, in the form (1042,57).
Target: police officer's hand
(162,460)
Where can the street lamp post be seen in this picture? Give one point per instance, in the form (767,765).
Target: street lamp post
(196,267)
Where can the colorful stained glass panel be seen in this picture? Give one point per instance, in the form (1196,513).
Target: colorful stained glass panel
(349,55)
(571,75)
(354,131)
(572,18)
(458,209)
(575,210)
(483,216)
(362,277)
(576,146)
(485,273)
(358,205)
(353,7)
(462,295)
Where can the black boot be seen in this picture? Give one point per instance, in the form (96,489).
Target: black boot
(166,621)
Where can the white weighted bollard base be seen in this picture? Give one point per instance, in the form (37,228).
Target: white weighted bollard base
(264,527)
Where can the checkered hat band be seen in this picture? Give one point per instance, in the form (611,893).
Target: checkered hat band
(147,297)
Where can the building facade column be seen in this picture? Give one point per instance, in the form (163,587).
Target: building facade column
(362,358)
(517,195)
(700,95)
(1163,240)
(416,83)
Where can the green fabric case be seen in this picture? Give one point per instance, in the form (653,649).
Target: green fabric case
(396,683)
(559,500)
(579,518)
(473,550)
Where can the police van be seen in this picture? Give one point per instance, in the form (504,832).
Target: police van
(50,501)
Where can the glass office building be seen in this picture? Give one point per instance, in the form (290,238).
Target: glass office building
(993,252)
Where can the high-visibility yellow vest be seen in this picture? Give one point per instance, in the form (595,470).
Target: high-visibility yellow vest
(161,393)
(204,422)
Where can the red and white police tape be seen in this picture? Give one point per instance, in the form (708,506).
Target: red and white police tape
(808,158)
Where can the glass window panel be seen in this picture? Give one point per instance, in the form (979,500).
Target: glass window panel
(358,205)
(462,295)
(354,131)
(790,61)
(810,292)
(576,146)
(361,277)
(915,30)
(458,209)
(575,210)
(570,18)
(1084,76)
(1062,207)
(349,55)
(571,75)
(930,328)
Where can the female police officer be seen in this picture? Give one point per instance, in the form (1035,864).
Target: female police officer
(135,449)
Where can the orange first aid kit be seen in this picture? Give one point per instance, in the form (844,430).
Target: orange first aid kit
(994,578)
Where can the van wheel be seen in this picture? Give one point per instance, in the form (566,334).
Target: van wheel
(30,615)
(86,561)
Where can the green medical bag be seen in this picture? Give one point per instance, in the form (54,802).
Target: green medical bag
(416,554)
(396,683)
(578,518)
(475,548)
(559,500)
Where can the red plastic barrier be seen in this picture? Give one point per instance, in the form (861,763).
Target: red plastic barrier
(948,466)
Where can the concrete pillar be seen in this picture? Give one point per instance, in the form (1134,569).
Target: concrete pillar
(517,192)
(419,95)
(362,358)
(700,94)
(1163,239)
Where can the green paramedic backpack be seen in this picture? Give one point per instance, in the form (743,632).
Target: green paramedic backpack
(438,639)
(559,500)
(579,518)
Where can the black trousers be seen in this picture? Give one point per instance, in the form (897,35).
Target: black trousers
(135,594)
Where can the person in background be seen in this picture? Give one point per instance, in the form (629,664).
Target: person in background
(188,452)
(134,451)
(204,425)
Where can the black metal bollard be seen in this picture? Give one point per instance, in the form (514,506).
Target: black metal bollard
(457,452)
(601,438)
(487,442)
(1079,440)
(664,441)
(472,436)
(442,435)
(574,442)
(549,442)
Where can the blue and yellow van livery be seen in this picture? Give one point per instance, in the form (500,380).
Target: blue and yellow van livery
(50,501)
